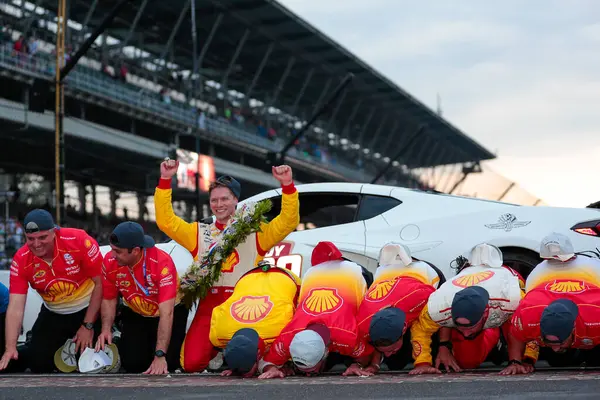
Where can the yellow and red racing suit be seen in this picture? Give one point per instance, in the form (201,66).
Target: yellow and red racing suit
(197,238)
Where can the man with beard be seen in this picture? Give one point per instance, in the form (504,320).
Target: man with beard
(199,238)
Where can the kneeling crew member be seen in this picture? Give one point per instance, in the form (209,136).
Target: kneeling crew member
(262,304)
(64,265)
(153,323)
(401,289)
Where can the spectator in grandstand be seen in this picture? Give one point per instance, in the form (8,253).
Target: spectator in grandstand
(473,311)
(560,308)
(153,319)
(325,320)
(244,326)
(199,238)
(394,301)
(64,266)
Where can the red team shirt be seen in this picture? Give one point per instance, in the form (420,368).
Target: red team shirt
(159,284)
(525,323)
(65,284)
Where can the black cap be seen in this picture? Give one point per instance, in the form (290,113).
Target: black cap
(558,319)
(241,352)
(128,235)
(231,184)
(38,220)
(387,325)
(470,303)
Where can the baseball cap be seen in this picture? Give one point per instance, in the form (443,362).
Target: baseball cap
(242,350)
(323,252)
(395,254)
(309,347)
(486,254)
(128,235)
(558,319)
(38,220)
(557,246)
(231,184)
(387,325)
(470,303)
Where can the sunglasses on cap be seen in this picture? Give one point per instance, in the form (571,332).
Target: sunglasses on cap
(226,180)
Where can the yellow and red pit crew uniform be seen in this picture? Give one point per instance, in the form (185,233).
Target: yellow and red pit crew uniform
(197,238)
(262,300)
(405,287)
(330,294)
(154,280)
(65,286)
(504,286)
(577,280)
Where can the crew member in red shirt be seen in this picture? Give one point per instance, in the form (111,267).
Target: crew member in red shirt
(399,293)
(153,321)
(560,308)
(325,319)
(64,266)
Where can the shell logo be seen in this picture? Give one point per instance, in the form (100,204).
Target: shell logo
(381,290)
(567,287)
(87,243)
(60,289)
(142,305)
(231,262)
(165,271)
(251,309)
(472,279)
(322,301)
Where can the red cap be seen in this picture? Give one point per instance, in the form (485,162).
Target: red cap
(323,252)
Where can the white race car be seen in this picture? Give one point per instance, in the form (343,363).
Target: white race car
(360,218)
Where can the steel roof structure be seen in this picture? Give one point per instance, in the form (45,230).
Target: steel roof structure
(263,50)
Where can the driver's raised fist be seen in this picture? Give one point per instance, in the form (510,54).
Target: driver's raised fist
(168,168)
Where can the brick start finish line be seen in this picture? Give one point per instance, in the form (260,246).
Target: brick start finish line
(205,380)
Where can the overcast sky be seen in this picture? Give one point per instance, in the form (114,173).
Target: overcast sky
(521,77)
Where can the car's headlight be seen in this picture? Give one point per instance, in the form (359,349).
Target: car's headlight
(590,228)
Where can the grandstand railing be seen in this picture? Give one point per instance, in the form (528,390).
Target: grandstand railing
(96,83)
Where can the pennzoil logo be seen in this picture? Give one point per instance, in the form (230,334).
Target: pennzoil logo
(472,279)
(322,301)
(565,286)
(381,290)
(39,274)
(251,309)
(232,261)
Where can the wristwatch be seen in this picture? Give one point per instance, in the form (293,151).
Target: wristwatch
(160,353)
(88,325)
(447,344)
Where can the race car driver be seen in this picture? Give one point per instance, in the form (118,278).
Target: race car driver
(399,292)
(198,237)
(469,309)
(262,304)
(153,321)
(64,265)
(325,320)
(559,311)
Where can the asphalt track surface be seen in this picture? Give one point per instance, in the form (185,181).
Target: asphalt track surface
(573,384)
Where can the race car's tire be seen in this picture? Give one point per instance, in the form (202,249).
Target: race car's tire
(521,260)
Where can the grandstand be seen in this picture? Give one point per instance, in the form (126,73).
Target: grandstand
(257,74)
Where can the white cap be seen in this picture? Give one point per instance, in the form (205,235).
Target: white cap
(486,254)
(395,254)
(557,246)
(307,349)
(92,362)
